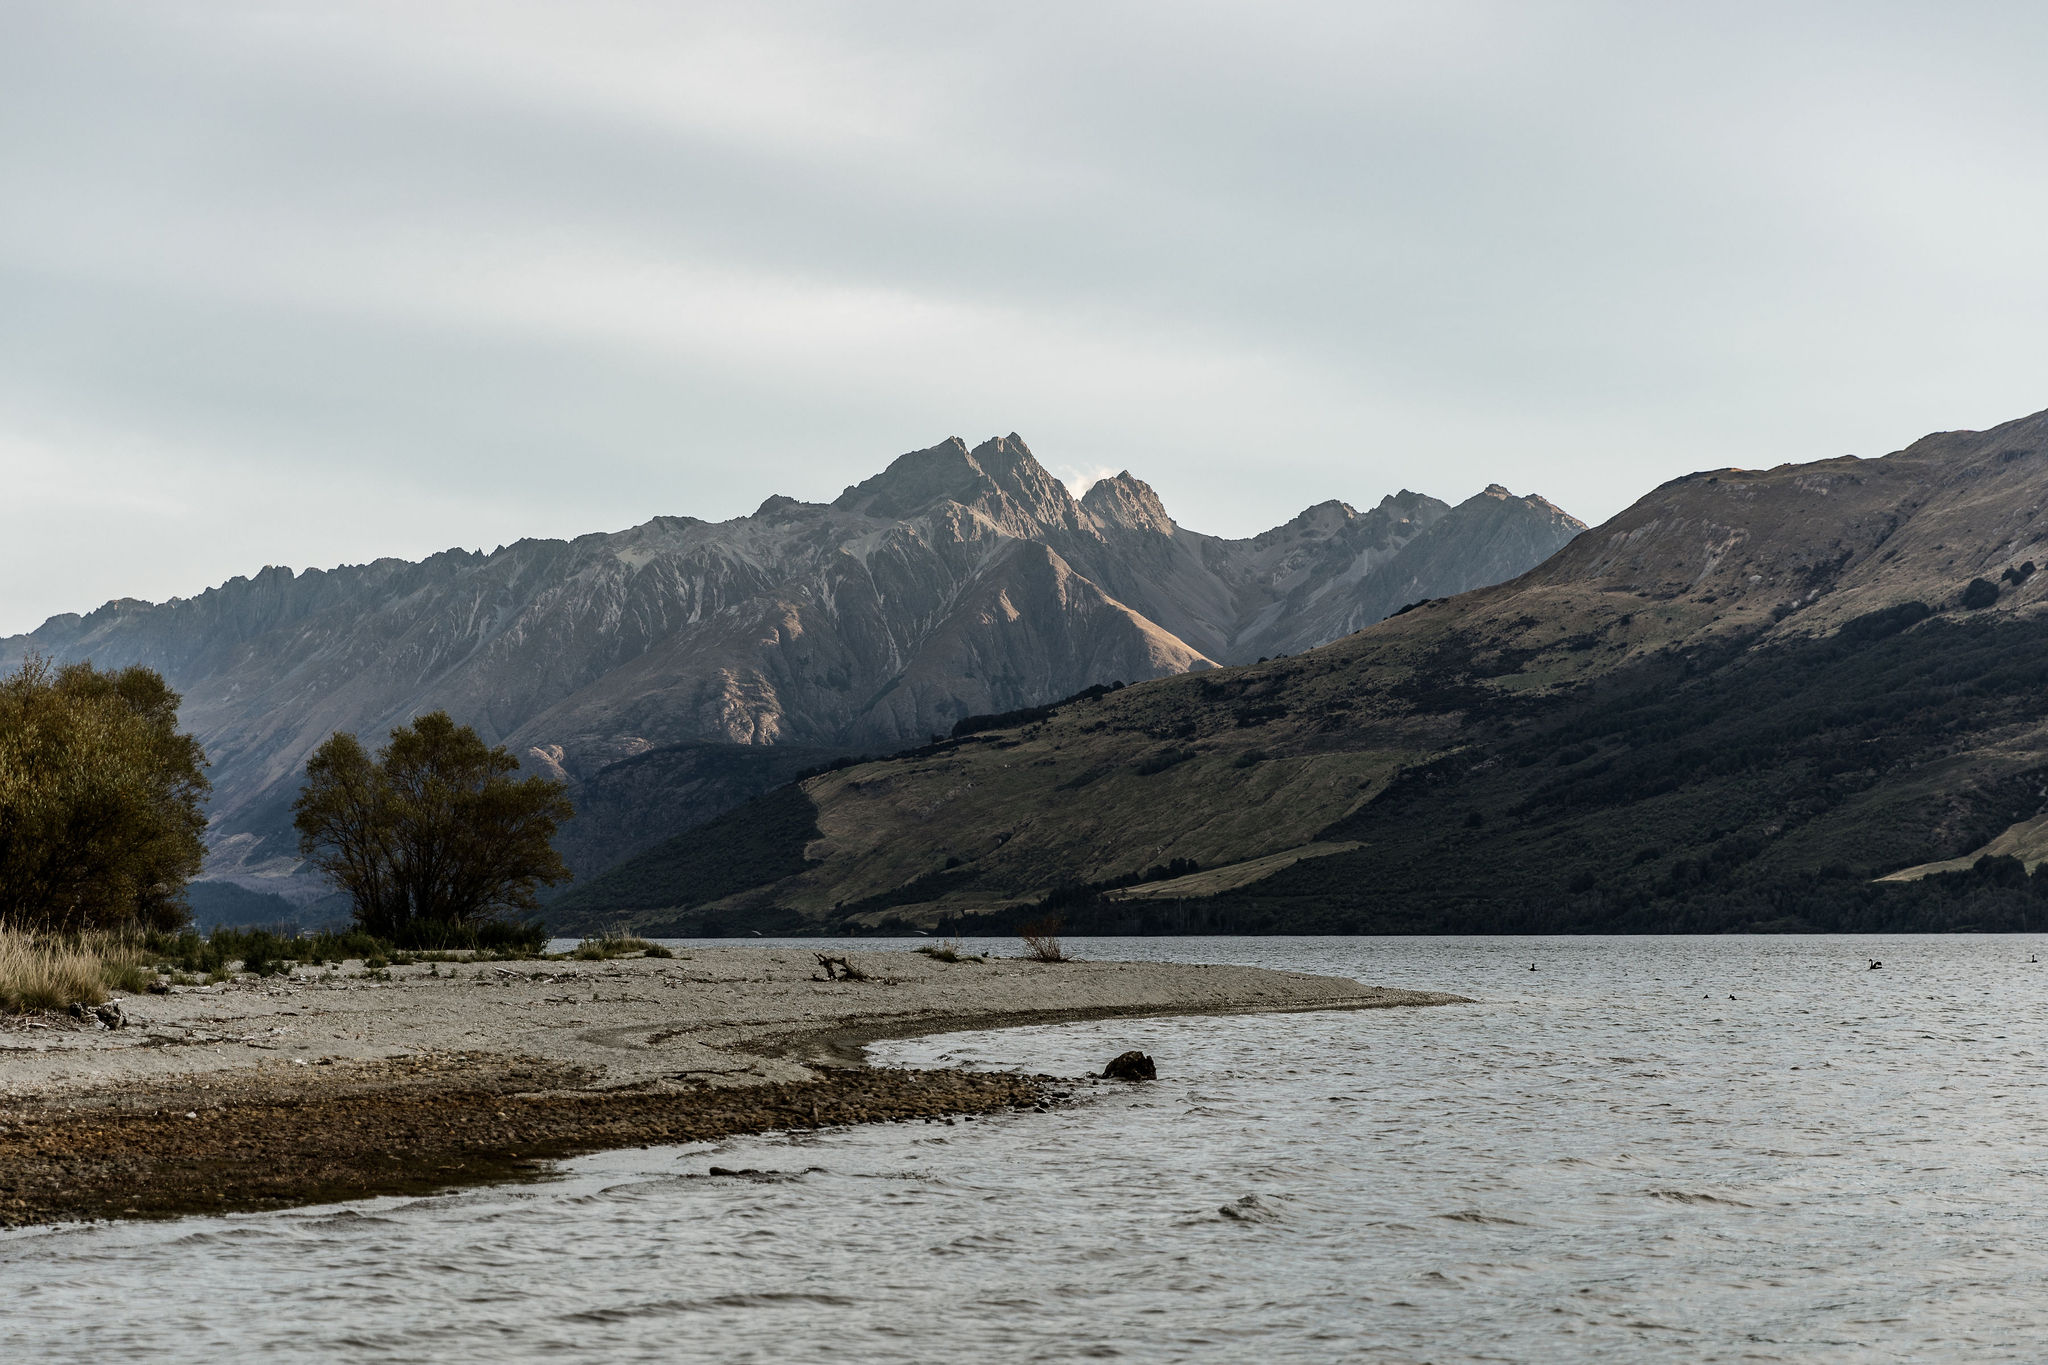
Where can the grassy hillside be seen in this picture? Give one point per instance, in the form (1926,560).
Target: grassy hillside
(1717,789)
(1703,786)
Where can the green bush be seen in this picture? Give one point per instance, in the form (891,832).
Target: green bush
(100,821)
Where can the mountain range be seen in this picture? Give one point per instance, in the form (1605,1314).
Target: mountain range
(1811,696)
(670,671)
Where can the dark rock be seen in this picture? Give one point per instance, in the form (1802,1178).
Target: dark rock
(159,987)
(111,1014)
(1248,1210)
(1131,1066)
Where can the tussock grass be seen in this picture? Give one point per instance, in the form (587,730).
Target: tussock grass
(45,971)
(602,947)
(950,949)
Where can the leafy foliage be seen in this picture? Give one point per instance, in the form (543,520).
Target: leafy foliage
(100,821)
(433,831)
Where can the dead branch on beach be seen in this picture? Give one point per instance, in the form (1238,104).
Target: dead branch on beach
(838,969)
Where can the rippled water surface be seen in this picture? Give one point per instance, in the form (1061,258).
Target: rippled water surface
(1645,1149)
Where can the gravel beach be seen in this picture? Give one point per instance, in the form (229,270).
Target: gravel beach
(343,1084)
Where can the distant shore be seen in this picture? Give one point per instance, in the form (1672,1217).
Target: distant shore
(342,1085)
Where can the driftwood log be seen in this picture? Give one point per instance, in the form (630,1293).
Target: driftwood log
(838,969)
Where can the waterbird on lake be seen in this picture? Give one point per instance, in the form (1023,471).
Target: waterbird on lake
(1875,964)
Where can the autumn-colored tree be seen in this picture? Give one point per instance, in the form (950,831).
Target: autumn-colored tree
(100,795)
(434,830)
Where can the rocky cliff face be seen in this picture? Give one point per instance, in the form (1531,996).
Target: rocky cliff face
(954,582)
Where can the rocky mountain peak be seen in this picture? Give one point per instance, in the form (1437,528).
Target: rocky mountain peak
(1405,502)
(1128,501)
(1322,520)
(1000,478)
(1029,487)
(916,480)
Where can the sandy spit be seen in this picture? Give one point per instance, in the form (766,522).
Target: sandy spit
(340,1085)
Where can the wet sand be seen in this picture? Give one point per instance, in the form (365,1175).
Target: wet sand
(341,1085)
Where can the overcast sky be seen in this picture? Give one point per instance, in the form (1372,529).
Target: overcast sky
(310,284)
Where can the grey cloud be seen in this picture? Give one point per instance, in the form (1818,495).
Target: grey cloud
(1261,256)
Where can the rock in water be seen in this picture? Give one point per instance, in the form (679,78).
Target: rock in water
(1131,1066)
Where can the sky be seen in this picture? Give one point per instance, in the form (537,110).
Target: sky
(311,284)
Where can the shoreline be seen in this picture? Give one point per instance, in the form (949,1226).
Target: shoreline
(330,1086)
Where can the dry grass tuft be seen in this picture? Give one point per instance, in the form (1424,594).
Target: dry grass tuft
(949,949)
(41,971)
(1042,940)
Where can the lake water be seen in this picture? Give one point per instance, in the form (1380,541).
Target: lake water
(1607,1158)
